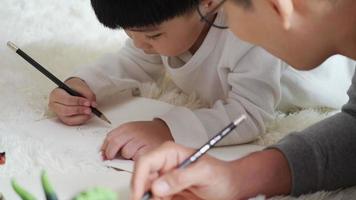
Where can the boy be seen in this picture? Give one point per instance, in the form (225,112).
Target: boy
(232,76)
(321,157)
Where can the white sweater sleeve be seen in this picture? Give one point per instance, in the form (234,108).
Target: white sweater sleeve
(126,69)
(255,91)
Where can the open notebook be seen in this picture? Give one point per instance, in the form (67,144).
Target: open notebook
(87,139)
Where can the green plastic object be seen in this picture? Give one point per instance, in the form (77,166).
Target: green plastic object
(47,187)
(21,191)
(97,193)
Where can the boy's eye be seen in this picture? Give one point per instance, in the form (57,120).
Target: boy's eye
(154,37)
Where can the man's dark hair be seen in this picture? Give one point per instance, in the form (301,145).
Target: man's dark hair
(140,13)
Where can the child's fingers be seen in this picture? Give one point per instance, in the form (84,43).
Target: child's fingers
(87,93)
(94,104)
(114,146)
(104,145)
(68,111)
(75,120)
(61,96)
(111,150)
(81,87)
(103,148)
(130,149)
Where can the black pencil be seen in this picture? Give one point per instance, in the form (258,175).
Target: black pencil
(53,78)
(202,150)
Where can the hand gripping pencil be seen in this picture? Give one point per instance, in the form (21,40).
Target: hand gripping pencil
(202,150)
(53,78)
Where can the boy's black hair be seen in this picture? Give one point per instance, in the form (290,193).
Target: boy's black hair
(140,13)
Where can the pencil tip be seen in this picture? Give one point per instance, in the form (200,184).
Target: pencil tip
(105,119)
(12,46)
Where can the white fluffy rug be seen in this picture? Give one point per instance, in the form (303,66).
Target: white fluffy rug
(64,34)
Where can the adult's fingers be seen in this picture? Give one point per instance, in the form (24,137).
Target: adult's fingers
(161,160)
(179,180)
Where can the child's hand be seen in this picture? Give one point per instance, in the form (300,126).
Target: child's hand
(208,178)
(135,138)
(72,110)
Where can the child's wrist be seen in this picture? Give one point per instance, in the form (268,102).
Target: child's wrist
(160,121)
(164,126)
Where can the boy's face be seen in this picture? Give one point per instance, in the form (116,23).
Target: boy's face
(293,30)
(171,38)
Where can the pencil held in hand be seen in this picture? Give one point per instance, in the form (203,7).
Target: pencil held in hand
(53,78)
(205,148)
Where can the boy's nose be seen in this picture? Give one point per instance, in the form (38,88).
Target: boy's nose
(139,41)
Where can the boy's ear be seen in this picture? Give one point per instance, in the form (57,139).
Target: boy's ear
(284,9)
(208,5)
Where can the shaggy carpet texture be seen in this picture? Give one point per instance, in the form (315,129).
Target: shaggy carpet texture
(62,35)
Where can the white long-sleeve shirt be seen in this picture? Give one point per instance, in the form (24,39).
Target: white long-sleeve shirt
(233,76)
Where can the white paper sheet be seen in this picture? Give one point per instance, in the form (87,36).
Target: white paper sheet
(88,138)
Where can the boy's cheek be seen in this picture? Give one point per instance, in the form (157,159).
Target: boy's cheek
(170,48)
